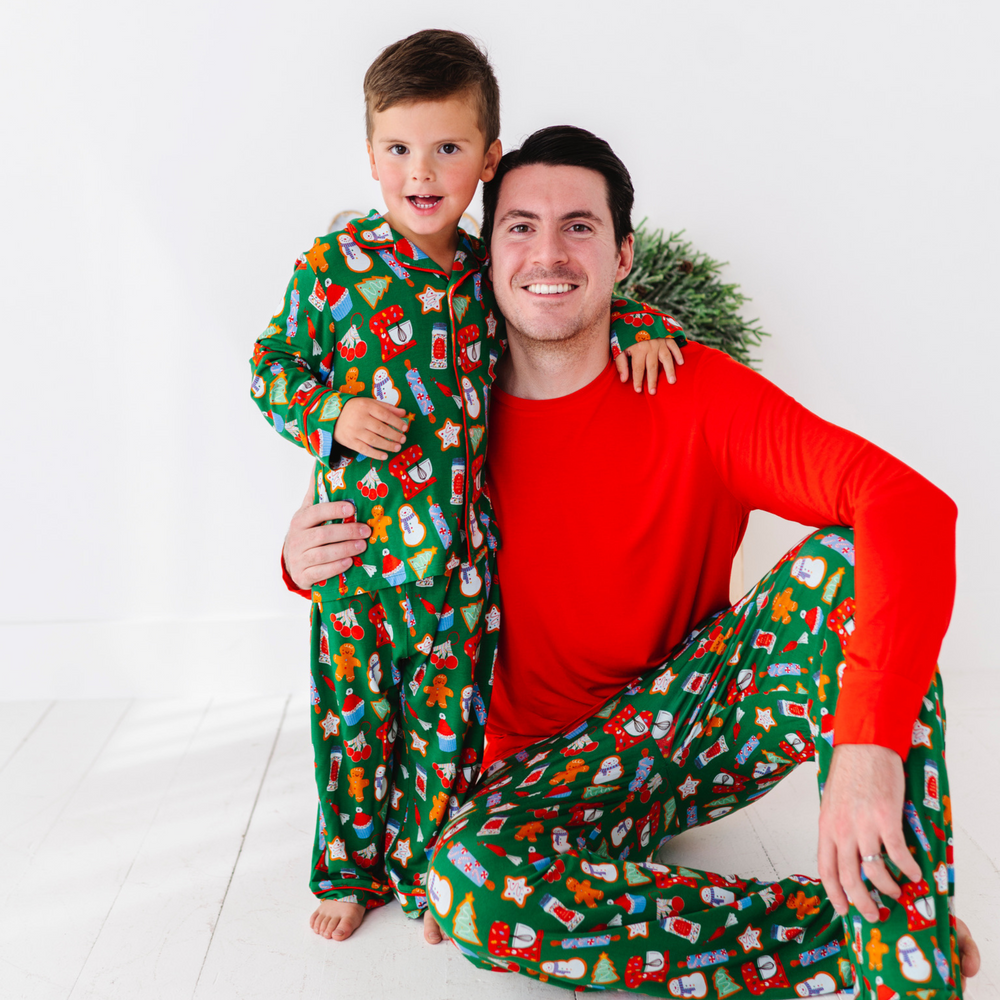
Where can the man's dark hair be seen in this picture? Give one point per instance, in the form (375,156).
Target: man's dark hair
(433,65)
(567,146)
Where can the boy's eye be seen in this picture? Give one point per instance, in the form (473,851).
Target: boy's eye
(398,149)
(448,148)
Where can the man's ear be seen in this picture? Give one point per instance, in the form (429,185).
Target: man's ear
(371,159)
(626,254)
(492,160)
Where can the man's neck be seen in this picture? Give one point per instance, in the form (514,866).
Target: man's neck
(534,369)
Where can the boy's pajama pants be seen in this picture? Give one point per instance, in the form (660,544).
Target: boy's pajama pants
(548,869)
(401,681)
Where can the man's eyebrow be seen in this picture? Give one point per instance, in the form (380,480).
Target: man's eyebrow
(579,213)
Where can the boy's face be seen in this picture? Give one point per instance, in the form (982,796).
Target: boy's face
(428,157)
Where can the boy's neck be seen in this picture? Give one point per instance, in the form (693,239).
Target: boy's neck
(440,246)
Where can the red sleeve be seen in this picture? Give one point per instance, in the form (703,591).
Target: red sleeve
(775,455)
(290,583)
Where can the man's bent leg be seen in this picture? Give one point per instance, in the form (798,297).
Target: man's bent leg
(547,868)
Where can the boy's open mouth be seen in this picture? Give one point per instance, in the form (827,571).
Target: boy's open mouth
(424,202)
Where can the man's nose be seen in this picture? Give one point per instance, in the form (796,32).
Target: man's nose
(550,248)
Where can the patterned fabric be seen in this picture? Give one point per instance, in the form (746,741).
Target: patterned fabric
(401,686)
(548,870)
(366,312)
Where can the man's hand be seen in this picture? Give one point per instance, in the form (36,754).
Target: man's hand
(315,551)
(862,810)
(646,357)
(371,428)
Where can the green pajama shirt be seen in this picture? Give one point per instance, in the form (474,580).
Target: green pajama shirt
(548,869)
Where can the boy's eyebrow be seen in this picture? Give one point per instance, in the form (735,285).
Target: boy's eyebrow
(524,213)
(406,142)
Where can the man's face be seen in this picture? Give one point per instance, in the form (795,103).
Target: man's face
(554,256)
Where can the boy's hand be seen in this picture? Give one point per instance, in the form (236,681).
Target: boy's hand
(646,357)
(371,428)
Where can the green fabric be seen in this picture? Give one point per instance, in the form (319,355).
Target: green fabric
(401,685)
(548,869)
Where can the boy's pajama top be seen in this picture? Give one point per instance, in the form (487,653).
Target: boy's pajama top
(614,726)
(404,641)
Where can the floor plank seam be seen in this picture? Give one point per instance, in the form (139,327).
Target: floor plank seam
(243,840)
(27,736)
(141,844)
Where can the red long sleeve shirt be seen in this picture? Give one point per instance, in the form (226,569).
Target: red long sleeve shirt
(620,514)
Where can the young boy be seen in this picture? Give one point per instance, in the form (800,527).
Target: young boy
(390,312)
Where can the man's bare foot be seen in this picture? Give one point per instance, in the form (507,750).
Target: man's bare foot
(336,919)
(968,952)
(433,934)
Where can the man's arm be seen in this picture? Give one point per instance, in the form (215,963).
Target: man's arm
(775,455)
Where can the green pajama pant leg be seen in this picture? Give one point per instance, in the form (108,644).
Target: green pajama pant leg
(401,685)
(548,869)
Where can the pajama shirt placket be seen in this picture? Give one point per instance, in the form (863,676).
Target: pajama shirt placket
(399,708)
(548,869)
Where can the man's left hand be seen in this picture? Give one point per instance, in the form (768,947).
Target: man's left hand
(862,810)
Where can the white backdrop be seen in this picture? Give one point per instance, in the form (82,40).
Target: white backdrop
(165,163)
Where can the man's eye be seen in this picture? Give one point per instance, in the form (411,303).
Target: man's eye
(521,227)
(448,148)
(580,227)
(398,149)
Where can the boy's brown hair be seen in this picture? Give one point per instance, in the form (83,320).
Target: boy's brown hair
(433,65)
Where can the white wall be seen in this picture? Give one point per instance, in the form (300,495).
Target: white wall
(165,163)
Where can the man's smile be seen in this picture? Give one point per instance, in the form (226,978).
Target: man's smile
(538,289)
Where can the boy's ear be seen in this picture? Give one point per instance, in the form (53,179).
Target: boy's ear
(491,161)
(371,159)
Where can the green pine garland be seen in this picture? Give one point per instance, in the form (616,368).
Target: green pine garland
(669,273)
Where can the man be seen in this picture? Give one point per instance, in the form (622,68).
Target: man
(609,732)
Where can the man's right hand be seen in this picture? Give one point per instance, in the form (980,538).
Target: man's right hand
(315,551)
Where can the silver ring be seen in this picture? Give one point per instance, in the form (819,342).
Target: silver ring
(871,857)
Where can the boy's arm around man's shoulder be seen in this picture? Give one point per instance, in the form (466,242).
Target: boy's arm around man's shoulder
(645,337)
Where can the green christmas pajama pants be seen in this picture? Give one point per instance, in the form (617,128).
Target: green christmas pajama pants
(401,681)
(548,869)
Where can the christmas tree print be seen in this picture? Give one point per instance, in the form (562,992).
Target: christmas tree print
(725,985)
(464,926)
(461,306)
(604,970)
(372,289)
(422,560)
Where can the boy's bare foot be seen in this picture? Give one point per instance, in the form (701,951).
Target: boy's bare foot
(336,919)
(433,934)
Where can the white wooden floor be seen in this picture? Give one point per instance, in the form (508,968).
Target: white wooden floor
(160,849)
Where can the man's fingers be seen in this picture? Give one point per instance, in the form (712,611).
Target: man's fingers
(877,873)
(849,872)
(621,363)
(895,847)
(827,857)
(317,513)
